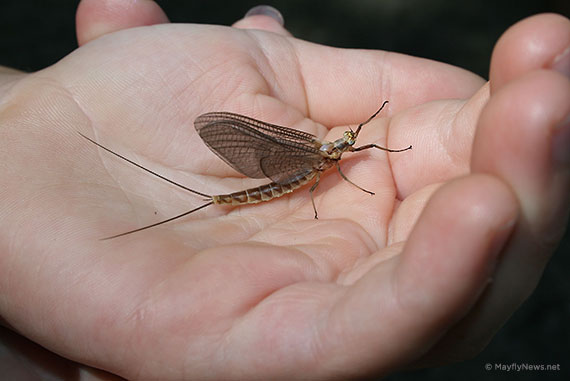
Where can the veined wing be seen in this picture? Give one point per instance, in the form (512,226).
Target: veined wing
(258,149)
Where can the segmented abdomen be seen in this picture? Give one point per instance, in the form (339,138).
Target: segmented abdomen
(262,193)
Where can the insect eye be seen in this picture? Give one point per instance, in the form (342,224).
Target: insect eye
(349,137)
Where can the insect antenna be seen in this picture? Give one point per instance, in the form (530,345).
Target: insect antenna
(369,119)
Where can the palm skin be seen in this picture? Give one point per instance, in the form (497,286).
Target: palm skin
(258,290)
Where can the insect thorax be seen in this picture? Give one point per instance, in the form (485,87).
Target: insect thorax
(334,150)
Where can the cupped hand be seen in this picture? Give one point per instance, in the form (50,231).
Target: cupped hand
(398,279)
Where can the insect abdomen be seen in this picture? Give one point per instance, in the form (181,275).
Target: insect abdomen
(262,193)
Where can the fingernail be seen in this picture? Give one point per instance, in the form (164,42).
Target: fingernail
(266,10)
(561,143)
(561,62)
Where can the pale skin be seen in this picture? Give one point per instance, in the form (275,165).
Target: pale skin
(396,280)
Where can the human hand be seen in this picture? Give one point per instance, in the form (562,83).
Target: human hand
(377,283)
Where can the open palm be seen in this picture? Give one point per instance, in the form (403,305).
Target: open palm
(266,290)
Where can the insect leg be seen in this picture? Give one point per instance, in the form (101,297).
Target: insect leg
(346,178)
(367,146)
(315,185)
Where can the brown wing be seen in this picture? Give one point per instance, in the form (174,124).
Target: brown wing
(258,149)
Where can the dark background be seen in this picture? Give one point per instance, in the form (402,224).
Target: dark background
(35,34)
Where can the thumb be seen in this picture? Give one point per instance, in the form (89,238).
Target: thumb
(95,18)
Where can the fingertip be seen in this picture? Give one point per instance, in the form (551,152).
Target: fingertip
(266,10)
(517,122)
(263,17)
(533,43)
(95,18)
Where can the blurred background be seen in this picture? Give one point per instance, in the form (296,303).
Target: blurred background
(35,34)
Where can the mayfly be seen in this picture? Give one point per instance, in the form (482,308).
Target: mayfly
(290,158)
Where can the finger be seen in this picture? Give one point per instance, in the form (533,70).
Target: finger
(446,264)
(356,82)
(263,17)
(441,134)
(542,41)
(523,138)
(516,140)
(538,42)
(95,18)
